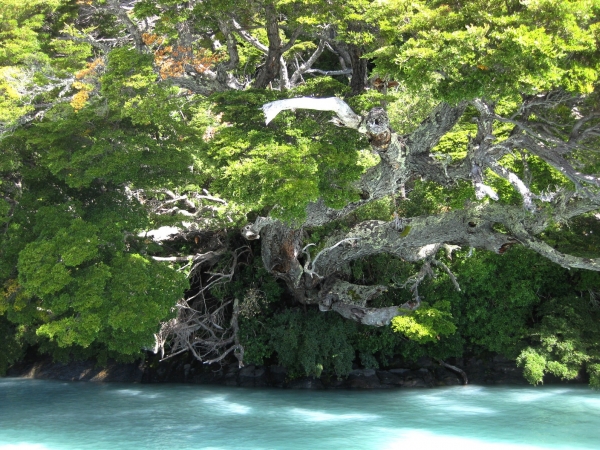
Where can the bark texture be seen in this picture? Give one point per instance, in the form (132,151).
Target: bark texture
(319,279)
(270,70)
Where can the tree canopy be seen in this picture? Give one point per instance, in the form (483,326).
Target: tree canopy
(303,181)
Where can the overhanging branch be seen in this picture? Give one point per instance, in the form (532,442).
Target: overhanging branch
(347,117)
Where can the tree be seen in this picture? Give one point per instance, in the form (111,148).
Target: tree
(491,109)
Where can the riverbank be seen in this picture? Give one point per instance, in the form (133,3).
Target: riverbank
(424,373)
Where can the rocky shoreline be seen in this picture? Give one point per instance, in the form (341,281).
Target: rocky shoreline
(424,373)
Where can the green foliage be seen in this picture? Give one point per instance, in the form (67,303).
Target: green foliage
(258,292)
(295,160)
(308,343)
(594,373)
(386,270)
(533,364)
(427,198)
(564,341)
(75,279)
(12,348)
(499,294)
(410,107)
(492,49)
(581,236)
(130,137)
(21,24)
(427,323)
(375,345)
(28,50)
(382,209)
(78,292)
(73,285)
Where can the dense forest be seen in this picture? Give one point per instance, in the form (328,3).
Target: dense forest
(309,183)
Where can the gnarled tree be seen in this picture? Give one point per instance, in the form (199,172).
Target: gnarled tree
(139,138)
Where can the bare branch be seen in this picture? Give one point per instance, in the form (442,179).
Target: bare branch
(347,117)
(518,184)
(567,261)
(438,123)
(248,37)
(211,198)
(296,33)
(197,258)
(115,7)
(455,369)
(330,73)
(308,64)
(377,317)
(332,247)
(200,326)
(448,271)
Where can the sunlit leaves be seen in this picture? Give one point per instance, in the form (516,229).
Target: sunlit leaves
(86,298)
(283,166)
(564,341)
(490,49)
(427,323)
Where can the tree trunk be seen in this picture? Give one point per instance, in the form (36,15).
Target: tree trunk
(270,70)
(359,70)
(318,279)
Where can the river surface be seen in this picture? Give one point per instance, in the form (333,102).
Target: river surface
(40,415)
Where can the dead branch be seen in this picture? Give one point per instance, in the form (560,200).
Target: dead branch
(454,369)
(200,325)
(345,114)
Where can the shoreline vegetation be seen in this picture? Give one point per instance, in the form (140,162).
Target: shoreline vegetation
(342,189)
(423,373)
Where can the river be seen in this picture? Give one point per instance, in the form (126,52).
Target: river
(54,415)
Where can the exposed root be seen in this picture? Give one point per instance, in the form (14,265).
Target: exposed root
(201,326)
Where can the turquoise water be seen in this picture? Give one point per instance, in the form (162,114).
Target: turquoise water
(40,415)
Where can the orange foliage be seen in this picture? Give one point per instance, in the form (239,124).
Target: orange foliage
(80,98)
(173,61)
(91,69)
(151,39)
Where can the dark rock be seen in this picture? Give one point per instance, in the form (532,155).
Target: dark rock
(276,376)
(417,378)
(161,372)
(424,361)
(45,368)
(305,383)
(389,378)
(425,375)
(362,373)
(230,379)
(450,381)
(445,377)
(334,383)
(412,382)
(398,371)
(363,379)
(232,368)
(251,371)
(440,373)
(494,369)
(252,376)
(482,369)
